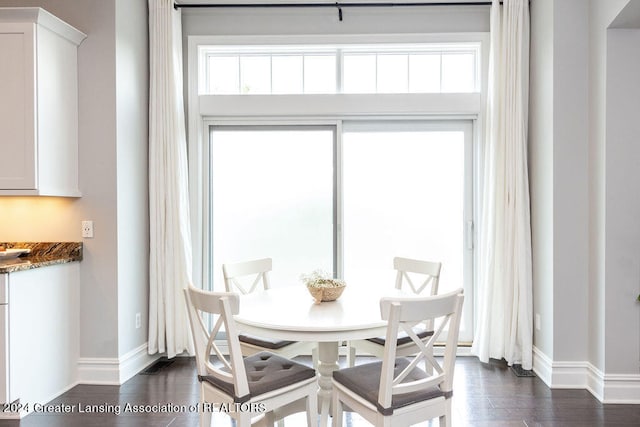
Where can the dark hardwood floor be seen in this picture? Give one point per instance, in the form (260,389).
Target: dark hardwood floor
(484,395)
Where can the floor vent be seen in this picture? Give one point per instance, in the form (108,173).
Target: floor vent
(160,364)
(519,372)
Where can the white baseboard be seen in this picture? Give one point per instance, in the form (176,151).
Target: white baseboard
(560,374)
(542,366)
(114,371)
(607,388)
(615,388)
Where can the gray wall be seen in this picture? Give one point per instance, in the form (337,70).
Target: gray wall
(559,148)
(113,86)
(584,165)
(622,238)
(570,175)
(541,124)
(559,144)
(601,14)
(132,89)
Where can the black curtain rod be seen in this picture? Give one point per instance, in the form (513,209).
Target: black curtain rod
(337,4)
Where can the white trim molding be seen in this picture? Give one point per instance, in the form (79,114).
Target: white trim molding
(561,374)
(614,388)
(542,366)
(340,105)
(607,388)
(114,371)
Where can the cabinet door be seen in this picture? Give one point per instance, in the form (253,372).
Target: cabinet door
(17,112)
(44,331)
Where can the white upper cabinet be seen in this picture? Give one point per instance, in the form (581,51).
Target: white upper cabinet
(38,104)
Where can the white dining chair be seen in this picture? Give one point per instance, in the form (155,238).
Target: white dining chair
(421,278)
(396,391)
(263,384)
(250,276)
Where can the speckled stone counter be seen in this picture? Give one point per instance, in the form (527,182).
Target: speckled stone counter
(42,254)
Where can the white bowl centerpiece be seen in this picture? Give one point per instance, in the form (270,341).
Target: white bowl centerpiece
(322,286)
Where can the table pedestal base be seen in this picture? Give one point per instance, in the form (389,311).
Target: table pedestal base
(327,363)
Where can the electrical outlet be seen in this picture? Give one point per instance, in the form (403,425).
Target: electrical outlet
(138,321)
(537,321)
(87,229)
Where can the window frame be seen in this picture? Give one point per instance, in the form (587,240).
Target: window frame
(321,109)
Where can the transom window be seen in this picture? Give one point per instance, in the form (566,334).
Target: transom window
(391,68)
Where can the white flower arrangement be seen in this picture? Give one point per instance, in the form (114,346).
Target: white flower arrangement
(321,279)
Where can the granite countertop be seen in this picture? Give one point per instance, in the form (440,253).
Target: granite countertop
(42,254)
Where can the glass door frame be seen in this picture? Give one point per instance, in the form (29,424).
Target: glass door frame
(471,152)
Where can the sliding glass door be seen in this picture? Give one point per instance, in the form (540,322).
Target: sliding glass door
(406,191)
(345,198)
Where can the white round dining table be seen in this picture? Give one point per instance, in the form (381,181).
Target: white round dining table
(291,314)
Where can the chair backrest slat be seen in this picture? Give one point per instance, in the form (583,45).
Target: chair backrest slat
(430,271)
(417,266)
(237,276)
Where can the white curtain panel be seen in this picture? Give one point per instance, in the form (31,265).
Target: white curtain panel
(504,328)
(170,256)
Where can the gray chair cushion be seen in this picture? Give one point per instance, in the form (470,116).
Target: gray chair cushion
(403,338)
(364,380)
(269,343)
(265,372)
